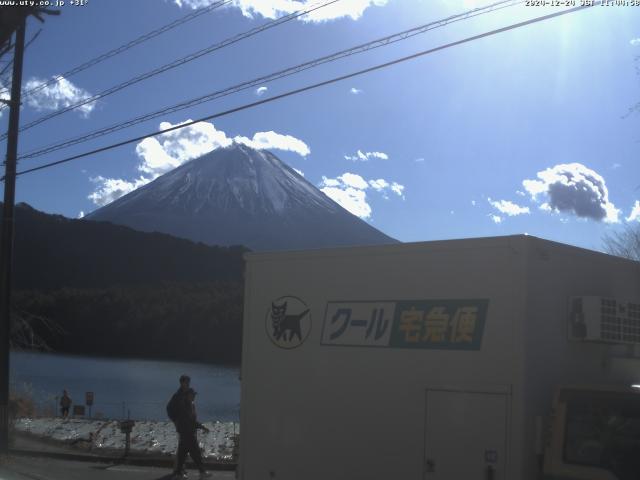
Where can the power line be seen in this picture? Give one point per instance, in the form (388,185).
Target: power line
(177,63)
(126,46)
(314,86)
(274,76)
(10,64)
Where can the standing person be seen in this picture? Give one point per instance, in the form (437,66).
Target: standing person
(65,403)
(173,409)
(182,412)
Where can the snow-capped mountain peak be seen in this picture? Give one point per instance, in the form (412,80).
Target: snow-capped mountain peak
(239,195)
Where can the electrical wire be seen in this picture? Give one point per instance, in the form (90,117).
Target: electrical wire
(272,77)
(314,86)
(10,64)
(176,63)
(126,46)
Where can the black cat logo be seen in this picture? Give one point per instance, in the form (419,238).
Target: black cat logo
(288,322)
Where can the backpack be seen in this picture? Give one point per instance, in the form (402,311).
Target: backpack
(173,408)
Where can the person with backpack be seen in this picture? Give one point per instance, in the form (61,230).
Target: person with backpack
(181,411)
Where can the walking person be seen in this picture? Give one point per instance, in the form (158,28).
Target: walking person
(182,412)
(65,403)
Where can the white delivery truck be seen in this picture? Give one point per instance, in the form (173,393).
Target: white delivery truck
(441,361)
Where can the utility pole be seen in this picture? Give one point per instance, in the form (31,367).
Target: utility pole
(6,242)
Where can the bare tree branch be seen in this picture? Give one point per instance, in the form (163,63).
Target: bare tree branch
(23,336)
(624,243)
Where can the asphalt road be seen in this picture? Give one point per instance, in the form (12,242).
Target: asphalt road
(40,468)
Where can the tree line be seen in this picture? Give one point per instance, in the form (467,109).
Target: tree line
(178,321)
(95,288)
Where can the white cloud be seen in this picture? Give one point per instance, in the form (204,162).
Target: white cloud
(5,95)
(81,214)
(419,159)
(496,218)
(355,91)
(379,185)
(349,190)
(299,172)
(351,199)
(616,166)
(265,140)
(261,91)
(534,187)
(354,181)
(576,189)
(330,182)
(635,42)
(155,159)
(382,186)
(366,156)
(353,9)
(473,202)
(110,189)
(58,95)
(635,212)
(167,151)
(276,8)
(164,152)
(397,189)
(508,208)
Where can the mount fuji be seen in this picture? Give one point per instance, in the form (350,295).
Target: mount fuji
(240,196)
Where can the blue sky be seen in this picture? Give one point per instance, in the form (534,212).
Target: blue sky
(524,131)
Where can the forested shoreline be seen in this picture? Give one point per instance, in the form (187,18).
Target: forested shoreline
(183,321)
(93,288)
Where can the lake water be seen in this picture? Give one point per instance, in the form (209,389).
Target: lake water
(121,387)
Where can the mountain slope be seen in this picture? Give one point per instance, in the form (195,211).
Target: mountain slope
(238,195)
(52,251)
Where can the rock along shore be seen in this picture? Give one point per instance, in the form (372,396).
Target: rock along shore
(148,438)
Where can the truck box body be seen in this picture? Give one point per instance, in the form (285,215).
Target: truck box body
(428,360)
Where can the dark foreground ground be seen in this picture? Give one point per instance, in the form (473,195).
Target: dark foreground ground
(31,459)
(41,468)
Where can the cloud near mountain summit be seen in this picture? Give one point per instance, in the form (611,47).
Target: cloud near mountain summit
(161,154)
